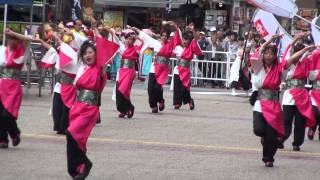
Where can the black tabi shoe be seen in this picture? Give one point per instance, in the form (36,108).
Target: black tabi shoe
(83,175)
(155,110)
(280,142)
(130,113)
(191,104)
(280,146)
(311,134)
(268,164)
(63,132)
(4,145)
(177,106)
(16,140)
(262,141)
(122,115)
(296,148)
(161,105)
(98,121)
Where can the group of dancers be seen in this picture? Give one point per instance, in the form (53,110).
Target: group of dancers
(81,63)
(300,106)
(81,73)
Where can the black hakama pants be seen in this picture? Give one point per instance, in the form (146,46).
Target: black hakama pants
(8,125)
(270,140)
(60,114)
(123,105)
(291,112)
(180,93)
(155,91)
(76,158)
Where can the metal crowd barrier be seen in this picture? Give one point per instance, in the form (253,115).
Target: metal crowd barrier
(32,73)
(207,69)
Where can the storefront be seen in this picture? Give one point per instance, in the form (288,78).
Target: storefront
(118,15)
(219,16)
(308,10)
(242,16)
(146,14)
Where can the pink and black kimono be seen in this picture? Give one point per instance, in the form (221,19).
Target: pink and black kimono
(64,91)
(182,75)
(314,76)
(296,102)
(159,70)
(11,62)
(89,81)
(126,75)
(268,121)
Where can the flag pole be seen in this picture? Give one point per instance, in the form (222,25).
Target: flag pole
(306,20)
(5,24)
(246,40)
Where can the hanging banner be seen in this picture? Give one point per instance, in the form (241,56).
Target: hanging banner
(283,8)
(315,31)
(267,26)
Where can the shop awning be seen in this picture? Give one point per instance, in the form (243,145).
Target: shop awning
(148,3)
(140,3)
(14,2)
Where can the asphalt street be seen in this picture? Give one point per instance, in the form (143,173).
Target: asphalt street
(214,141)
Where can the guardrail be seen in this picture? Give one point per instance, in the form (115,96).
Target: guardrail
(216,69)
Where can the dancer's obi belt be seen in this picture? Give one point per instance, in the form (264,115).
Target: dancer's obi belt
(88,97)
(161,60)
(267,94)
(63,78)
(316,85)
(184,63)
(294,83)
(126,63)
(10,73)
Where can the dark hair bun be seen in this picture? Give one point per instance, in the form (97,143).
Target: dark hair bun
(129,35)
(188,35)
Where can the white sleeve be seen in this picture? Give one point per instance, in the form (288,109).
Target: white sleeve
(178,50)
(78,40)
(50,57)
(150,42)
(2,55)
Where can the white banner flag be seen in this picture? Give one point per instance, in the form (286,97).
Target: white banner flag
(267,26)
(284,8)
(315,31)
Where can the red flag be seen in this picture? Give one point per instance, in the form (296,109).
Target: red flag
(106,49)
(66,55)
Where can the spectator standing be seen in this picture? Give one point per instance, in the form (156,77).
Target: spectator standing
(214,70)
(232,46)
(203,43)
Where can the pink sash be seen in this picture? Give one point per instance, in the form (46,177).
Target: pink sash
(125,81)
(161,73)
(11,95)
(271,110)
